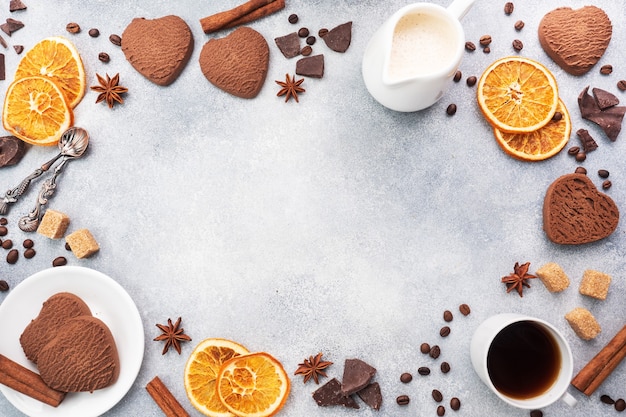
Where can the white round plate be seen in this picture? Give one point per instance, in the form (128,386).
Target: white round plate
(108,301)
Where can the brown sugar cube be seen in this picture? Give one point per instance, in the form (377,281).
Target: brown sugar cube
(82,243)
(53,224)
(553,277)
(595,284)
(583,323)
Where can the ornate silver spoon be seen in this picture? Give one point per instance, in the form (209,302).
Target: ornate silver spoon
(67,146)
(80,140)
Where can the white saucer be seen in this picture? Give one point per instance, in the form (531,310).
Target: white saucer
(108,301)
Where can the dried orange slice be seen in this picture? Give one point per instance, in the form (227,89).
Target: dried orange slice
(36,111)
(517,95)
(57,59)
(540,144)
(201,374)
(254,385)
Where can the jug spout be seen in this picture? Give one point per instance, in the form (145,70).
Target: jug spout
(459,8)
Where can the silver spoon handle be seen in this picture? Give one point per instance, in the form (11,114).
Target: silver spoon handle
(30,223)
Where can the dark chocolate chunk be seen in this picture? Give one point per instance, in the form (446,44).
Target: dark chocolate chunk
(12,150)
(587,104)
(3,43)
(604,99)
(589,144)
(610,120)
(16,5)
(11,26)
(338,39)
(2,68)
(311,66)
(371,395)
(18,49)
(330,394)
(356,375)
(289,45)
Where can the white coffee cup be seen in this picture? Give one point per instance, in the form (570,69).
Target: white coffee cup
(503,331)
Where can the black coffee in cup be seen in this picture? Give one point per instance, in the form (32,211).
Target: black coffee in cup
(524,360)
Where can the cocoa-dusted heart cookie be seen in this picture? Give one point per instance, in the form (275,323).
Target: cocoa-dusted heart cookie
(158,49)
(81,357)
(54,312)
(575,212)
(575,39)
(237,63)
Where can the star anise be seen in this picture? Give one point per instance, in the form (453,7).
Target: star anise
(517,280)
(172,335)
(290,88)
(110,90)
(312,368)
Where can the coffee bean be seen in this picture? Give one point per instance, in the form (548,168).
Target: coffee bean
(469,46)
(4,286)
(425,348)
(306,51)
(28,243)
(620,405)
(581,156)
(465,309)
(435,351)
(581,170)
(607,400)
(303,32)
(487,50)
(94,33)
(72,27)
(445,367)
(603,173)
(104,57)
(447,316)
(13,256)
(310,40)
(403,400)
(458,75)
(574,150)
(29,253)
(606,69)
(423,370)
(621,85)
(451,109)
(3,221)
(437,395)
(519,25)
(115,40)
(606,184)
(406,378)
(471,81)
(59,261)
(3,231)
(485,40)
(558,116)
(455,403)
(536,413)
(509,7)
(441,410)
(445,331)
(293,18)
(7,244)
(67,247)
(322,32)
(518,45)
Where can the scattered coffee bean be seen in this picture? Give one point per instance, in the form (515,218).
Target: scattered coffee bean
(423,370)
(445,367)
(518,45)
(574,150)
(59,261)
(469,46)
(606,184)
(558,116)
(487,50)
(28,243)
(536,413)
(620,405)
(104,57)
(603,173)
(465,309)
(455,403)
(471,81)
(509,7)
(3,231)
(445,331)
(12,256)
(581,156)
(606,69)
(406,377)
(425,348)
(441,410)
(306,51)
(519,25)
(7,244)
(72,27)
(67,247)
(621,85)
(4,286)
(403,400)
(447,316)
(29,253)
(485,40)
(435,351)
(581,170)
(115,40)
(451,109)
(458,75)
(310,40)
(322,32)
(3,221)
(607,400)
(293,18)
(94,33)
(303,32)
(437,395)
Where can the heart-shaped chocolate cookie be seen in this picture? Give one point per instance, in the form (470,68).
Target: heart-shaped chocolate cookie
(575,39)
(575,212)
(237,63)
(54,312)
(82,356)
(158,49)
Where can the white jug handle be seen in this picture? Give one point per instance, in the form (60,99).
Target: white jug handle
(459,8)
(569,399)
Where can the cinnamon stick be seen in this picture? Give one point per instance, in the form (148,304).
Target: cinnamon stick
(219,20)
(266,10)
(23,380)
(590,377)
(164,398)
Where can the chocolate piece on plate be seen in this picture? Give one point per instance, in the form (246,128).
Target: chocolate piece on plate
(604,99)
(12,150)
(330,394)
(311,66)
(371,395)
(338,39)
(289,45)
(356,375)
